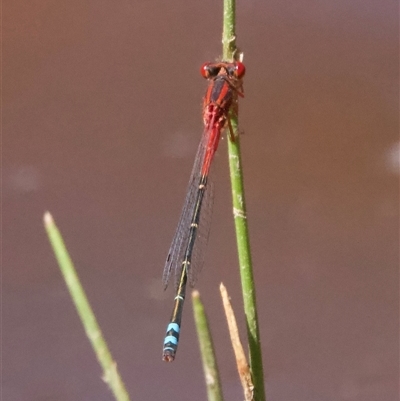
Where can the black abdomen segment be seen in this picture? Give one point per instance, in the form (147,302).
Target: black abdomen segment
(173,329)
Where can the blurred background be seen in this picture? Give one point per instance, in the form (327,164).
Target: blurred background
(101,120)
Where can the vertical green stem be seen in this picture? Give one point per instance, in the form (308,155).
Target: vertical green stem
(240,217)
(228,30)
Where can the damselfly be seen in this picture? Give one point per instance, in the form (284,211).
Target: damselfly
(184,257)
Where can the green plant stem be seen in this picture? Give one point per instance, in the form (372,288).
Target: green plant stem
(92,329)
(240,218)
(228,30)
(210,367)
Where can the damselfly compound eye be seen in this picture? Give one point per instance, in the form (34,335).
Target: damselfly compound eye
(209,70)
(240,69)
(205,70)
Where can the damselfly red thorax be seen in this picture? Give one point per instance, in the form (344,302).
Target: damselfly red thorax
(185,255)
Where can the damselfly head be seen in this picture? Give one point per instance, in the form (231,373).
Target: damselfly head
(234,70)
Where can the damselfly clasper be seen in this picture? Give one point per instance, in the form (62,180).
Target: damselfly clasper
(184,257)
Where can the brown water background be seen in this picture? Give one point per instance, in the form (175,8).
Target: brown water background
(101,119)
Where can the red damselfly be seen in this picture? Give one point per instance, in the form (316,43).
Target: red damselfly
(185,256)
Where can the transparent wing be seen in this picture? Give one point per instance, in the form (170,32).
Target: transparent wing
(179,242)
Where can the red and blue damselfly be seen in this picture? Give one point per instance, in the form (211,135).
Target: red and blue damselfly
(185,256)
